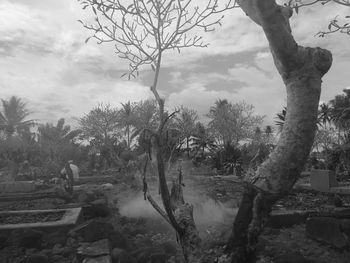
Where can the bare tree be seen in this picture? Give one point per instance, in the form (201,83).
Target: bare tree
(142,30)
(335,25)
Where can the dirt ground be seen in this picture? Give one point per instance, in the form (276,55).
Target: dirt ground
(215,200)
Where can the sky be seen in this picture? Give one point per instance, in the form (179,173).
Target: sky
(45,61)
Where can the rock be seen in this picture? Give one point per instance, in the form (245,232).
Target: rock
(118,240)
(37,259)
(327,230)
(158,257)
(57,259)
(121,256)
(107,186)
(3,240)
(102,259)
(57,237)
(30,251)
(31,239)
(99,208)
(71,242)
(169,247)
(291,257)
(83,198)
(98,248)
(93,230)
(67,251)
(152,255)
(57,249)
(143,242)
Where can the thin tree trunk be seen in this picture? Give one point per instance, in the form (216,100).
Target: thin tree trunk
(188,148)
(301,70)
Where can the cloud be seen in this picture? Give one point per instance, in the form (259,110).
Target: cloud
(45,60)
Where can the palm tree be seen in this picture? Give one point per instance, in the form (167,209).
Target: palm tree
(185,122)
(340,112)
(127,119)
(146,117)
(324,114)
(221,122)
(54,137)
(202,140)
(281,118)
(13,118)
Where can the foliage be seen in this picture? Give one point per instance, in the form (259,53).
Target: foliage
(13,118)
(58,141)
(185,123)
(232,122)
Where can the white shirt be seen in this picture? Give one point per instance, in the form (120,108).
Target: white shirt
(75,170)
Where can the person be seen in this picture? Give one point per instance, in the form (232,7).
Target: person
(70,172)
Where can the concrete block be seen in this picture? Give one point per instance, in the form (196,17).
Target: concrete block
(17,187)
(323,180)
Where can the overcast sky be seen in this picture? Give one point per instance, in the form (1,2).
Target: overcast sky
(45,61)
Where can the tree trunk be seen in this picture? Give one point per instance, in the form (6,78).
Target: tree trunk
(179,213)
(188,148)
(301,69)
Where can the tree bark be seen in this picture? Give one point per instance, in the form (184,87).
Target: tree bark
(301,69)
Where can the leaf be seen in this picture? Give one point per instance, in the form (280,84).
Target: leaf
(94,9)
(86,40)
(153,68)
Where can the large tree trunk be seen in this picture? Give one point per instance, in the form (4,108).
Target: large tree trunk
(301,69)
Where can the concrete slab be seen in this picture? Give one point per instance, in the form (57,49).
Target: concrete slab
(341,189)
(323,180)
(102,259)
(17,187)
(69,218)
(95,179)
(49,193)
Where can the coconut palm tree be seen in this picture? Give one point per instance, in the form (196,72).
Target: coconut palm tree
(13,117)
(280,118)
(324,114)
(202,140)
(55,138)
(127,119)
(185,122)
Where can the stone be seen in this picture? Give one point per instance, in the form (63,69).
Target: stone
(327,230)
(3,240)
(102,259)
(99,208)
(322,180)
(107,186)
(57,259)
(93,230)
(149,254)
(292,257)
(57,237)
(118,240)
(83,198)
(121,256)
(169,247)
(71,242)
(31,239)
(94,249)
(37,258)
(57,249)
